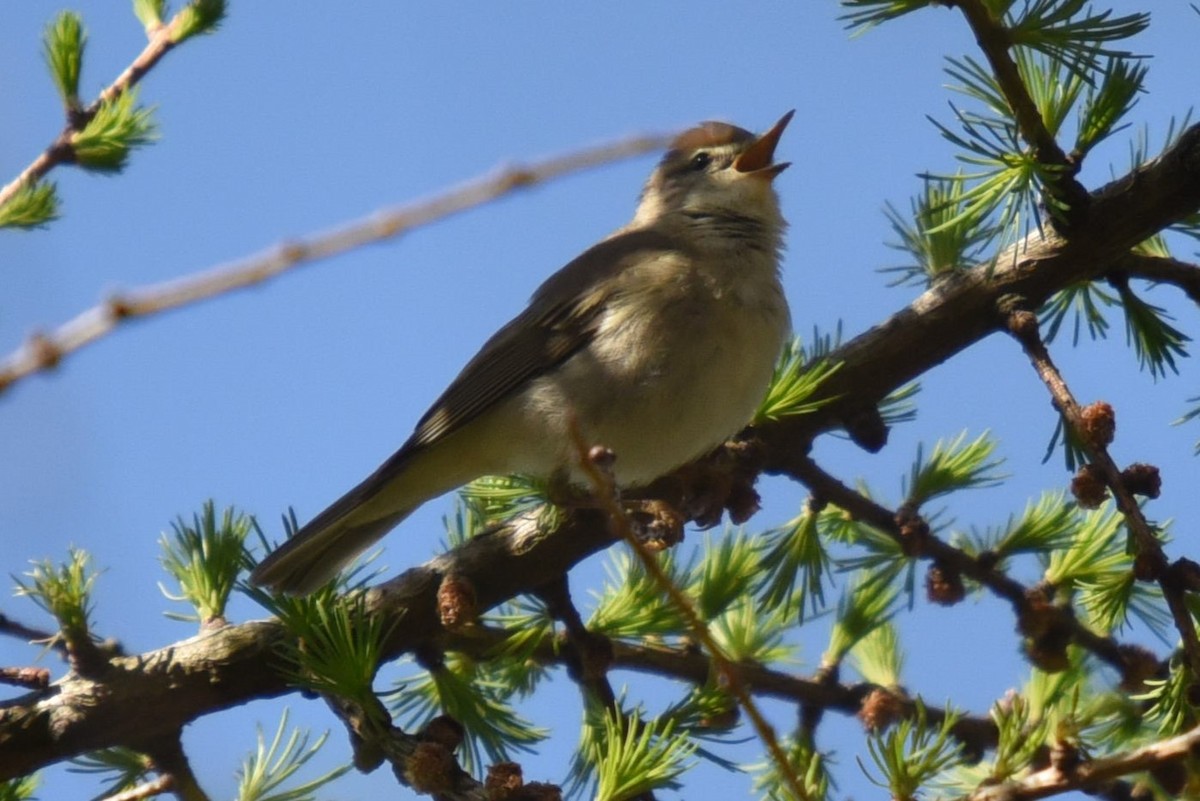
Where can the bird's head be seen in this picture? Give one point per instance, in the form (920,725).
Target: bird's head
(716,170)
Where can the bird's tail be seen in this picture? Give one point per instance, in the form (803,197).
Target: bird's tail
(316,554)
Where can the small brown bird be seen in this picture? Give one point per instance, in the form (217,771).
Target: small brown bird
(657,343)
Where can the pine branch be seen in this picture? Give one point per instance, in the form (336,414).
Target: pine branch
(162,39)
(994,40)
(1092,774)
(1151,562)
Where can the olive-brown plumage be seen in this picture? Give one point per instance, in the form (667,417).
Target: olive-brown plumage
(658,343)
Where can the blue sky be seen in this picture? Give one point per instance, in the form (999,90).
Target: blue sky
(297,117)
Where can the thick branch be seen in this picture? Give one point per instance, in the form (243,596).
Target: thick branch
(962,309)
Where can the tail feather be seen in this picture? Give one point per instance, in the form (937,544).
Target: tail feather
(318,551)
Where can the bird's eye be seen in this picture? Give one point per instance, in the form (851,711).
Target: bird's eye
(700,160)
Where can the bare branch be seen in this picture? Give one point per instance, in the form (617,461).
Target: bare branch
(45,350)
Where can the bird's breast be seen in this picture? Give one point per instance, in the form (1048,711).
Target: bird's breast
(679,362)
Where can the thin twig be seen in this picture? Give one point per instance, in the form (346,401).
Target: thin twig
(45,350)
(993,39)
(161,42)
(866,510)
(163,784)
(606,492)
(1087,775)
(1023,327)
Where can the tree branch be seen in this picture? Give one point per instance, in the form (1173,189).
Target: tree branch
(162,41)
(43,351)
(1164,270)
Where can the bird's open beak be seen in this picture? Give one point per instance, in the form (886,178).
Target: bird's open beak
(756,159)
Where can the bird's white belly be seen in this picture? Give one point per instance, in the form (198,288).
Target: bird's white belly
(658,406)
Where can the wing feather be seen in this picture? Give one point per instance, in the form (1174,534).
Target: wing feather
(562,317)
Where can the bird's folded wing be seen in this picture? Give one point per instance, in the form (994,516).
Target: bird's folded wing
(562,318)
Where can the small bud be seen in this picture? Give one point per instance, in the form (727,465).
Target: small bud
(1142,479)
(456,603)
(1064,756)
(1088,487)
(879,710)
(914,531)
(503,780)
(443,730)
(943,585)
(1140,664)
(430,769)
(539,791)
(1099,424)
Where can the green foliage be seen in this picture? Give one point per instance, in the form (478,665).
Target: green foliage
(198,17)
(795,556)
(795,386)
(127,768)
(1062,30)
(335,645)
(912,753)
(206,558)
(632,604)
(1009,180)
(1045,525)
(1154,340)
(31,206)
(866,14)
(869,603)
(878,657)
(806,763)
(149,12)
(1170,710)
(726,572)
(465,690)
(63,46)
(1020,737)
(633,757)
(118,126)
(527,625)
(21,789)
(939,235)
(494,499)
(1086,300)
(748,633)
(1096,566)
(65,592)
(900,406)
(1108,103)
(264,772)
(954,465)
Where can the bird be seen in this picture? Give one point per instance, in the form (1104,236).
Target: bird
(658,343)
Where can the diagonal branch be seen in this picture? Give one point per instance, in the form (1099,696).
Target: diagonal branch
(1092,773)
(163,39)
(1151,563)
(993,39)
(43,351)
